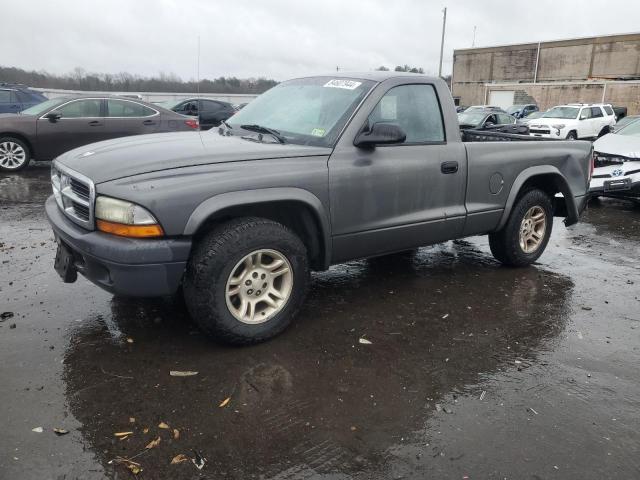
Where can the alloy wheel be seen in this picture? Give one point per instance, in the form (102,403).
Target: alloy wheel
(259,286)
(532,229)
(12,155)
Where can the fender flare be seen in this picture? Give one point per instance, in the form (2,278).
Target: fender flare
(531,172)
(217,203)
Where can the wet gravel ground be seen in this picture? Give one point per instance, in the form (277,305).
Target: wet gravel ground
(474,370)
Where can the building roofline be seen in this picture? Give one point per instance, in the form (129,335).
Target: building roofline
(556,42)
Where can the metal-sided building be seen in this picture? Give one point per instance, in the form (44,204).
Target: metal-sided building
(586,70)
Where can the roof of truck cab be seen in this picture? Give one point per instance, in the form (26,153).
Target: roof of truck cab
(376,76)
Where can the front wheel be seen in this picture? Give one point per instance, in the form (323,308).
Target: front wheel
(14,154)
(246,280)
(526,234)
(572,135)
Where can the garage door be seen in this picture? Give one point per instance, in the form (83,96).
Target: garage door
(501,98)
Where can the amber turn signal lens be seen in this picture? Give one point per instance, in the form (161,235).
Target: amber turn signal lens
(132,231)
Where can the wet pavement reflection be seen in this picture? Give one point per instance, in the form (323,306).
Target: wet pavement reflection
(471,370)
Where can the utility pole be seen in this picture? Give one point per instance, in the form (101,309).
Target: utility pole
(473,43)
(444,24)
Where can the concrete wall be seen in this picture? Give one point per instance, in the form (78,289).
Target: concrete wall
(615,57)
(547,95)
(153,96)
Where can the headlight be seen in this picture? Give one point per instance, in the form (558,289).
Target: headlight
(125,219)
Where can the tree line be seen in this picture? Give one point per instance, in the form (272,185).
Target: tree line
(79,79)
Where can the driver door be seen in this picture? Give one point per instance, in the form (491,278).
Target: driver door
(81,123)
(396,197)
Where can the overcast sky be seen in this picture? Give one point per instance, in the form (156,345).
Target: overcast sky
(282,38)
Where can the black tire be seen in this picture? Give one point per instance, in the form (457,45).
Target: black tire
(505,243)
(213,260)
(572,135)
(7,140)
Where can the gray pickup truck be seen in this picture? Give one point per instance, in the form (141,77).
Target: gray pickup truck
(314,172)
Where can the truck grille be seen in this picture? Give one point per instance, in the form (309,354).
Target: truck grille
(539,130)
(74,193)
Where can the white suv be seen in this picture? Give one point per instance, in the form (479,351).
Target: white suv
(574,121)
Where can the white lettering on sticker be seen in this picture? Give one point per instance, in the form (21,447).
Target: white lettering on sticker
(340,83)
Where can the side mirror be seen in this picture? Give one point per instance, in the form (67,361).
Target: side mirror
(381,133)
(53,116)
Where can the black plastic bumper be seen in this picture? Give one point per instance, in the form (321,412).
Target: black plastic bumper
(123,266)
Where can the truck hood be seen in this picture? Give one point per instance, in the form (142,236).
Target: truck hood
(615,144)
(125,157)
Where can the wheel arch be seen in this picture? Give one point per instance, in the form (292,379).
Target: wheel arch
(22,138)
(550,180)
(297,209)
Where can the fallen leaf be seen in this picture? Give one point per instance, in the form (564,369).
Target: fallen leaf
(153,443)
(129,340)
(163,425)
(37,430)
(176,434)
(364,341)
(135,469)
(60,431)
(199,461)
(225,402)
(353,429)
(132,420)
(124,438)
(178,373)
(145,430)
(123,434)
(179,459)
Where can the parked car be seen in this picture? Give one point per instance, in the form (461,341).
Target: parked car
(490,120)
(209,112)
(461,108)
(300,179)
(14,97)
(620,112)
(574,121)
(532,116)
(491,108)
(617,163)
(50,128)
(521,111)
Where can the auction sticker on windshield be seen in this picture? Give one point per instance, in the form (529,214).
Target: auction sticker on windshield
(340,83)
(318,132)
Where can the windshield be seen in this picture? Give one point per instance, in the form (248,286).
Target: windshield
(473,119)
(632,128)
(620,124)
(306,111)
(562,112)
(514,108)
(43,107)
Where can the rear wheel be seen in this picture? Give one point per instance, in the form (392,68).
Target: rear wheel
(246,280)
(14,154)
(526,233)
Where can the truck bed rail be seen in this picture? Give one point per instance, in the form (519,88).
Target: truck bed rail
(485,136)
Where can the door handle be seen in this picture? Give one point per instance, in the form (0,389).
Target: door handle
(95,123)
(148,122)
(449,167)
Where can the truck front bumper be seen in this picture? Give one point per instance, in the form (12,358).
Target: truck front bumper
(122,266)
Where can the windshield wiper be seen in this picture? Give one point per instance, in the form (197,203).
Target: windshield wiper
(260,129)
(224,122)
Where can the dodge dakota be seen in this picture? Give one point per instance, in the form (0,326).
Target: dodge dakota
(316,171)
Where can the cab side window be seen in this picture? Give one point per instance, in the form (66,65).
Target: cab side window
(585,114)
(415,109)
(596,112)
(89,108)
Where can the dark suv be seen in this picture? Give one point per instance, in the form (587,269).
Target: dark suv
(14,98)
